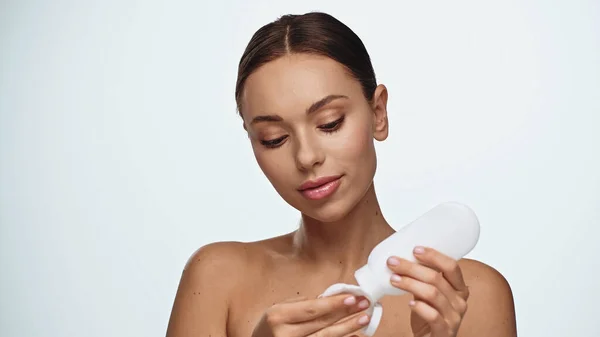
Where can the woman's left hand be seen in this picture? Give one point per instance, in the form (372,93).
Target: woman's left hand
(440,293)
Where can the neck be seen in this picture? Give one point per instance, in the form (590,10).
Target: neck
(345,243)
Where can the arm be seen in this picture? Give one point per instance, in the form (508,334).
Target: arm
(201,303)
(491,310)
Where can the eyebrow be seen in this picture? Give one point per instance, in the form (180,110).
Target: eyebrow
(313,108)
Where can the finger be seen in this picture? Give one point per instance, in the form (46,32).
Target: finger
(345,328)
(363,305)
(440,326)
(294,299)
(429,294)
(309,310)
(420,272)
(423,273)
(443,263)
(339,316)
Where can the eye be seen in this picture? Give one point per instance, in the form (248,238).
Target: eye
(273,143)
(333,126)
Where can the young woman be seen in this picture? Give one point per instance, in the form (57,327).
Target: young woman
(312,108)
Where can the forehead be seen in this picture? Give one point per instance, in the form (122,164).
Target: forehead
(293,82)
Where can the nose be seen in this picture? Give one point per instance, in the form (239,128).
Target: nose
(308,154)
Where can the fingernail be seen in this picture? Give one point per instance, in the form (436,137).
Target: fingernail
(412,303)
(363,304)
(393,261)
(396,278)
(363,320)
(350,300)
(419,250)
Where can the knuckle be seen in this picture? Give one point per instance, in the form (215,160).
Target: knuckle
(452,326)
(431,293)
(273,320)
(453,267)
(461,305)
(311,312)
(273,316)
(436,317)
(455,321)
(438,278)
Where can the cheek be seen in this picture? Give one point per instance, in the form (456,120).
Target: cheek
(273,166)
(280,170)
(356,144)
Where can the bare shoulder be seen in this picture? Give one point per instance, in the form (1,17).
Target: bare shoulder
(229,259)
(218,257)
(490,305)
(209,278)
(480,275)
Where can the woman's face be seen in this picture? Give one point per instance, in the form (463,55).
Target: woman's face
(312,132)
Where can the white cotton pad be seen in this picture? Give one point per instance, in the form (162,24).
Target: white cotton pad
(375,310)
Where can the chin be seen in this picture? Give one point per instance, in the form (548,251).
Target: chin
(327,217)
(327,213)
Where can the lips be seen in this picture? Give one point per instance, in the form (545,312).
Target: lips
(309,184)
(320,188)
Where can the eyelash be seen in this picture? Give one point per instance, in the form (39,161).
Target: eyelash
(333,126)
(328,128)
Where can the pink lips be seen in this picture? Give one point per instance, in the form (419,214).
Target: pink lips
(320,188)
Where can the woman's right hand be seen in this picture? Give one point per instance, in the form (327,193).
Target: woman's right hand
(334,316)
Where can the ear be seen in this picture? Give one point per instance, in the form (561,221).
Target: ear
(246,129)
(380,116)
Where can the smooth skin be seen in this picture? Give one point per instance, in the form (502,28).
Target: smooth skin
(306,118)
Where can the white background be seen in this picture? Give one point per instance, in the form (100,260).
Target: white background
(121,151)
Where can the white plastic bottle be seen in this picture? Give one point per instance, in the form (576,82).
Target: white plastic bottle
(450,228)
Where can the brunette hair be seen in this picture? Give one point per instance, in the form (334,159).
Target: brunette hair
(313,33)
